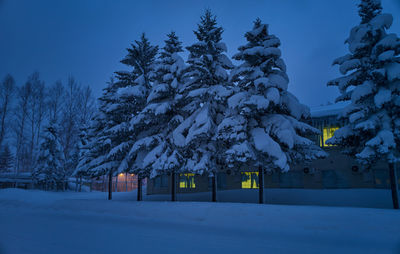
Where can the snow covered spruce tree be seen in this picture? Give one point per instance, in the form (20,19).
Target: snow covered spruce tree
(50,171)
(153,149)
(203,94)
(96,162)
(130,100)
(112,136)
(83,148)
(264,129)
(371,82)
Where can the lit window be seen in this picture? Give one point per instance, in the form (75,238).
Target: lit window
(186,181)
(327,133)
(249,180)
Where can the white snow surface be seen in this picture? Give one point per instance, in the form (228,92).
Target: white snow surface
(393,71)
(328,110)
(384,95)
(37,222)
(264,143)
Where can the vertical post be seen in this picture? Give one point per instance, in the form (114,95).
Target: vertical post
(260,185)
(214,187)
(116,183)
(80,184)
(173,189)
(76,183)
(139,189)
(393,185)
(126,181)
(110,185)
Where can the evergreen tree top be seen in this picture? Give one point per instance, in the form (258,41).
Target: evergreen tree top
(208,64)
(169,65)
(172,45)
(369,9)
(259,32)
(263,66)
(140,56)
(208,30)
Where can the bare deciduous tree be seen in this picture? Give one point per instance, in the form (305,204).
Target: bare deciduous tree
(21,112)
(6,92)
(55,101)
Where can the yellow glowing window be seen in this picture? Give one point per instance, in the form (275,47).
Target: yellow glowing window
(249,180)
(186,181)
(327,133)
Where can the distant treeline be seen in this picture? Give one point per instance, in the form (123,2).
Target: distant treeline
(27,111)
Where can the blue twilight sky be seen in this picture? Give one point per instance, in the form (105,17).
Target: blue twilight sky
(88,38)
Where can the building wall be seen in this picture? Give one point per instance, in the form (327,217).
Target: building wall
(317,178)
(334,172)
(122,182)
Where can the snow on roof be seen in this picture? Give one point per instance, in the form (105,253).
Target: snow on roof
(328,110)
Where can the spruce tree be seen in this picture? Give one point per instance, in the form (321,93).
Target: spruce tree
(371,83)
(50,171)
(161,115)
(112,136)
(125,106)
(96,161)
(6,160)
(264,128)
(203,96)
(83,155)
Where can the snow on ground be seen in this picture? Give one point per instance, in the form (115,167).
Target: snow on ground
(55,222)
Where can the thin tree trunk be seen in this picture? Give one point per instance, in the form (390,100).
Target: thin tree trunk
(214,187)
(32,145)
(19,142)
(110,186)
(260,185)
(91,184)
(41,114)
(173,189)
(139,189)
(76,183)
(393,185)
(80,183)
(3,120)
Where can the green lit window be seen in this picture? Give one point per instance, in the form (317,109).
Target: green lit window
(327,133)
(249,180)
(186,181)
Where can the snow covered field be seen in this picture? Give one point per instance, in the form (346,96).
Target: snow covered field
(39,222)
